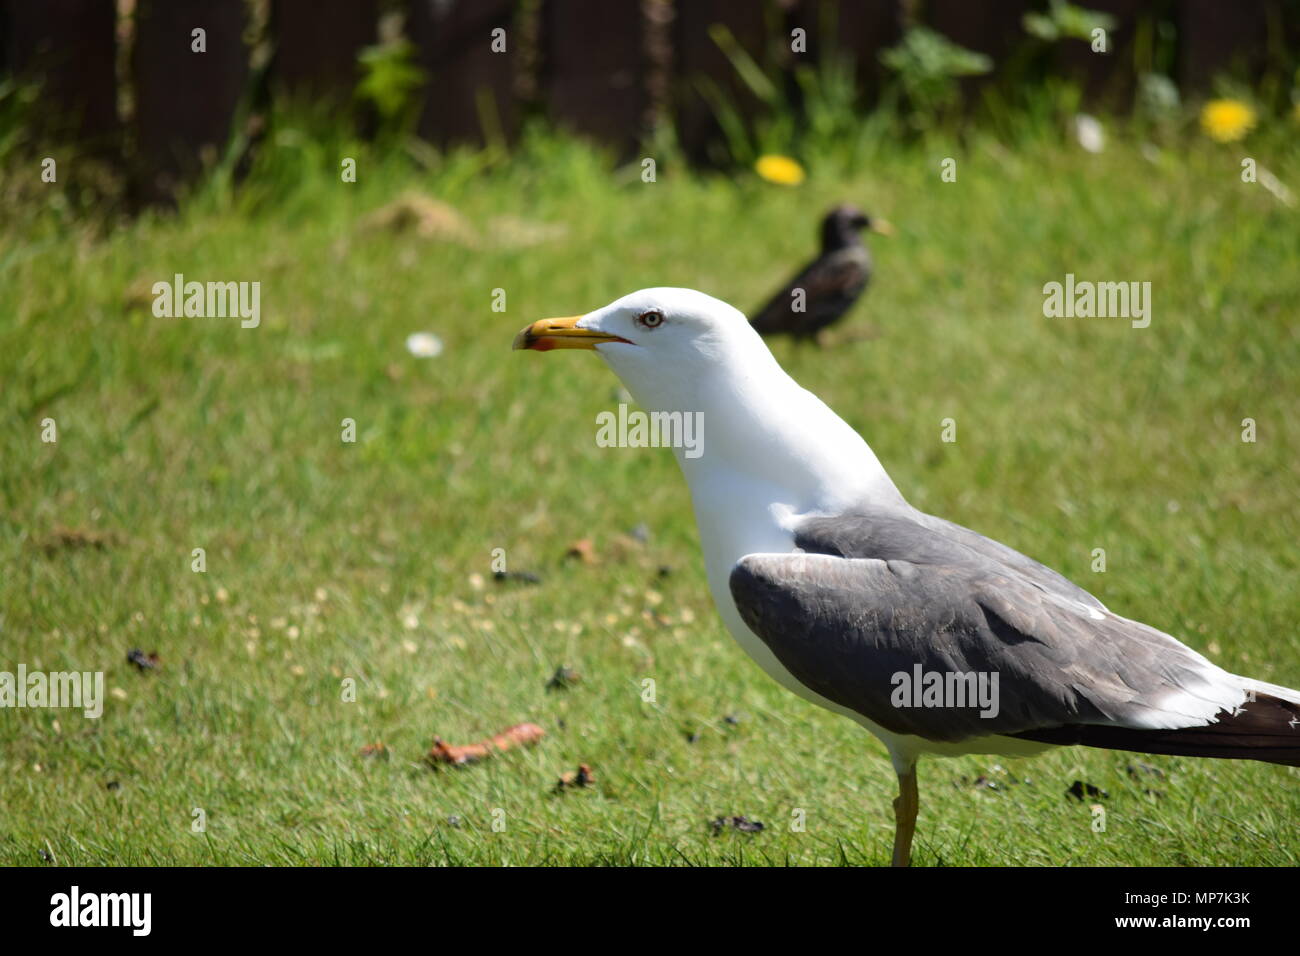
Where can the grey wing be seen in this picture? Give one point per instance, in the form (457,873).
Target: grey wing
(847,628)
(876,534)
(1040,574)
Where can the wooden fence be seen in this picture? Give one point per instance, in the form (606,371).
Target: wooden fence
(121,77)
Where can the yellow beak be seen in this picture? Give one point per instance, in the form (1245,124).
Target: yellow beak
(882,226)
(563,333)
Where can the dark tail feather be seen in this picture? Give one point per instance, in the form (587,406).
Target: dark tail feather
(1267,729)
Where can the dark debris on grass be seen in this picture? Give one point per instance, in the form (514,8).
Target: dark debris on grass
(144,662)
(1079,790)
(575,779)
(741,824)
(563,678)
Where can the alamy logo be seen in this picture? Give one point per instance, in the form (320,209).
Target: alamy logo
(83,689)
(209,300)
(636,429)
(1103,300)
(947,689)
(103,909)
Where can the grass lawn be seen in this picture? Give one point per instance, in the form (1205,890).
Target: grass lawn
(371,560)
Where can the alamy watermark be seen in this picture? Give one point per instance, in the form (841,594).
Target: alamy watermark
(638,429)
(84,689)
(946,689)
(208,300)
(1103,300)
(75,908)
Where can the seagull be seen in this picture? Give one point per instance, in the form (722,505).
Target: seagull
(853,599)
(827,287)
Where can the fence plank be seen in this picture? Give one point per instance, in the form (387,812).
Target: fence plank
(317,42)
(855,29)
(700,60)
(1216,36)
(69,47)
(595,69)
(185,101)
(1107,77)
(469,84)
(992,29)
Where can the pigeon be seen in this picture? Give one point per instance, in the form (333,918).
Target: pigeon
(826,288)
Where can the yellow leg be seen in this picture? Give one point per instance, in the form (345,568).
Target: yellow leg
(905,806)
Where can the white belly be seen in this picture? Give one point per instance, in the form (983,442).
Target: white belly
(737,521)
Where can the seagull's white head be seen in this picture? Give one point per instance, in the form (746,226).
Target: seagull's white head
(678,350)
(670,347)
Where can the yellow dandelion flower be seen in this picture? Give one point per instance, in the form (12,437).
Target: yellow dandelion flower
(1227,121)
(781,170)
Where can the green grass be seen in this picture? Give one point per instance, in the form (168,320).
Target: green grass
(174,434)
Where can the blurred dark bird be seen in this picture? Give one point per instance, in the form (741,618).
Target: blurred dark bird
(826,288)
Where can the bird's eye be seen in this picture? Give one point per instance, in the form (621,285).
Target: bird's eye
(652,319)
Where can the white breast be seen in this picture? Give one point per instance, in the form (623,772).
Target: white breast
(738,515)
